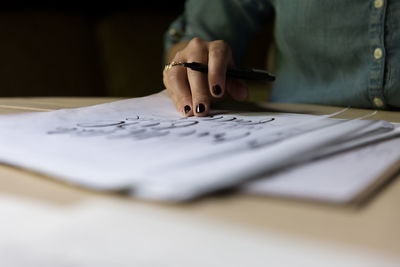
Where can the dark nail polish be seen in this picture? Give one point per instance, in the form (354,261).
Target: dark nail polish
(217,89)
(187,109)
(200,108)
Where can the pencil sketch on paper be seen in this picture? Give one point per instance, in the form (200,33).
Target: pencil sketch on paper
(216,129)
(144,145)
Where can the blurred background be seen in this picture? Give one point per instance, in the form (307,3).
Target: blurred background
(67,48)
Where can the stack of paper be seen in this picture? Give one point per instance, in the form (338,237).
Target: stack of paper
(144,145)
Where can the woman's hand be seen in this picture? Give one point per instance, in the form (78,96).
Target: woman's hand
(192,91)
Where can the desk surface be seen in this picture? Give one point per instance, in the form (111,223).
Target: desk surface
(374,226)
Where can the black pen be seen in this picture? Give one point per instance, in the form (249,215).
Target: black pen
(238,73)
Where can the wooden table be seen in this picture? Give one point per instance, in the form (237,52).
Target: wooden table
(374,226)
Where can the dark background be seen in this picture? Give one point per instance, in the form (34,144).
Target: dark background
(72,48)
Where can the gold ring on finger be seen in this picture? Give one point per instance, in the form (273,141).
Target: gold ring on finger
(173,63)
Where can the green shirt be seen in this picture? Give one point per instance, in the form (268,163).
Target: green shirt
(335,52)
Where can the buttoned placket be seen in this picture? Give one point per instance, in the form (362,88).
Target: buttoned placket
(377,53)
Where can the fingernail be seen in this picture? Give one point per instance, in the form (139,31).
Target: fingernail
(217,89)
(200,108)
(187,109)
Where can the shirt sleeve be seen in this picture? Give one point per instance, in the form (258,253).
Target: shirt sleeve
(233,21)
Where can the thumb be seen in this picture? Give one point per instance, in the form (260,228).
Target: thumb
(237,89)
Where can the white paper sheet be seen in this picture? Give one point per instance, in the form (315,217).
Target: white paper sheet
(103,233)
(145,145)
(337,179)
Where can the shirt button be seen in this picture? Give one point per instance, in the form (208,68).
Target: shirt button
(378,53)
(176,35)
(378,3)
(172,31)
(378,102)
